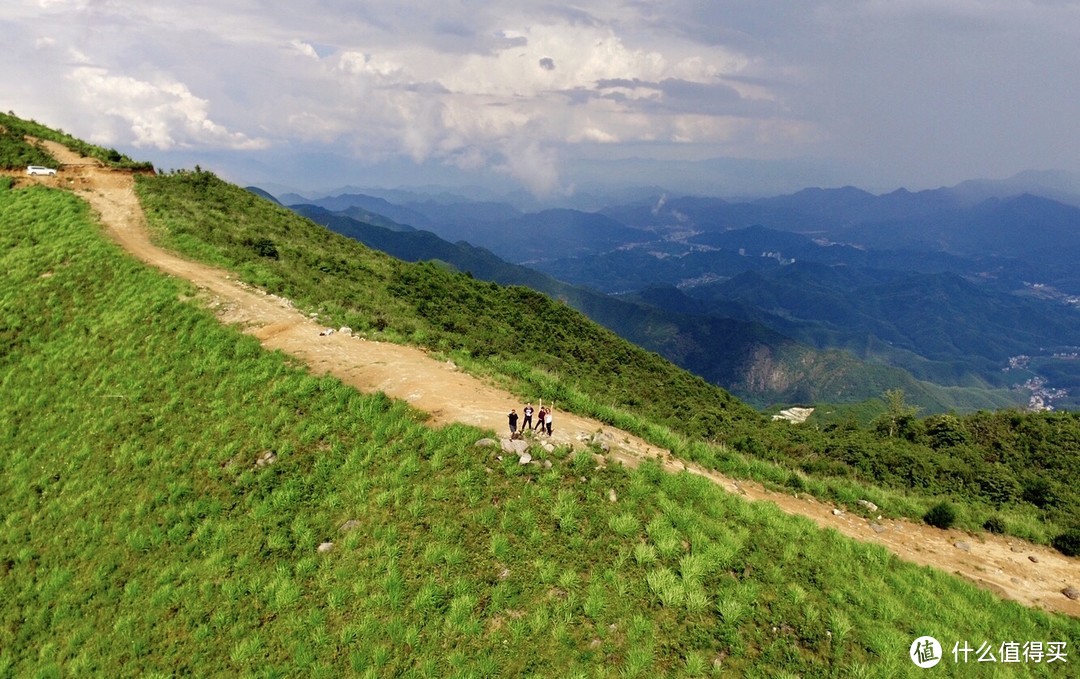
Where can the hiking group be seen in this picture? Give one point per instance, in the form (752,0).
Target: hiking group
(543,420)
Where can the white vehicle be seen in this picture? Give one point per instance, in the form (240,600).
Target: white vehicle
(39,170)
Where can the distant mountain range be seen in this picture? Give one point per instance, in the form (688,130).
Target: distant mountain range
(940,286)
(737,349)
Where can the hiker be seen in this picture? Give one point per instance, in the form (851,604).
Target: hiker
(547,420)
(527,423)
(513,417)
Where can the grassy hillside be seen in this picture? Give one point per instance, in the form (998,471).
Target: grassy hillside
(509,329)
(139,536)
(541,348)
(16,151)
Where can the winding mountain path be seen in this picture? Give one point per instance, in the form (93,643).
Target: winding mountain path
(1030,574)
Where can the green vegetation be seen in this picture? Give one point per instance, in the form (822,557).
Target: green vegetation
(16,152)
(1068,543)
(509,329)
(1007,464)
(140,537)
(942,515)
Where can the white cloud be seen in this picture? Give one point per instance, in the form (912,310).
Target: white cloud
(538,89)
(163,114)
(534,166)
(911,84)
(304,48)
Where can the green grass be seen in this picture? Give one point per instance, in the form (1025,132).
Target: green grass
(16,152)
(138,536)
(539,348)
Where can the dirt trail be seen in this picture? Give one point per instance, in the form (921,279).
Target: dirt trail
(1030,574)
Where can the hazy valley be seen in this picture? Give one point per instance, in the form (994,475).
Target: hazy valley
(964,297)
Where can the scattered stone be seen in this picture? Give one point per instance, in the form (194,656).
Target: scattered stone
(1033,559)
(266,459)
(516,446)
(351,524)
(837,512)
(326,332)
(601,440)
(595,643)
(878,528)
(1071,592)
(963,546)
(504,573)
(451,365)
(326,547)
(1016,549)
(548,447)
(345,330)
(525,458)
(486,443)
(547,464)
(611,496)
(869,505)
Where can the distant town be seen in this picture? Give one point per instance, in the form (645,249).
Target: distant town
(1042,396)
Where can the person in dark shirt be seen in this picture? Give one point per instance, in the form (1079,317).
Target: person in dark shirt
(513,417)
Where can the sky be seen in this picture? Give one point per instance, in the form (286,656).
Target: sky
(706,96)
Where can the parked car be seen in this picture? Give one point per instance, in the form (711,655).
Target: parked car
(40,170)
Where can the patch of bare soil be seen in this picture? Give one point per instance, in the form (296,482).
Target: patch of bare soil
(1013,569)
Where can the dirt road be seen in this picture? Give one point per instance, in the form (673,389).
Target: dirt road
(1030,574)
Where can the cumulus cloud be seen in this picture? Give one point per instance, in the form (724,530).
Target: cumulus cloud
(517,88)
(303,48)
(506,87)
(162,115)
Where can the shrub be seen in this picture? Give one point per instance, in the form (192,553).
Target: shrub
(1068,543)
(263,247)
(941,515)
(795,482)
(995,524)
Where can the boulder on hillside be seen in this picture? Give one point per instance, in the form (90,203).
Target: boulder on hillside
(516,446)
